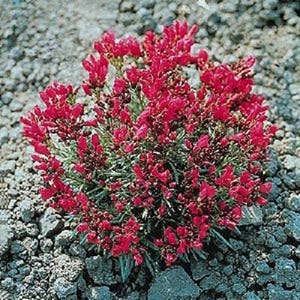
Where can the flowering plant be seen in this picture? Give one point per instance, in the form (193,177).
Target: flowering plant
(152,162)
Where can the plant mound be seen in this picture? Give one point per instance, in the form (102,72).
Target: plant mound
(147,158)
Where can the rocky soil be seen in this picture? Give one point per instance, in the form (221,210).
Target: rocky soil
(45,40)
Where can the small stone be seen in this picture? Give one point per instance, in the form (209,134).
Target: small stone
(211,282)
(68,267)
(77,250)
(173,284)
(285,265)
(293,225)
(6,236)
(16,247)
(293,202)
(64,289)
(97,293)
(263,267)
(276,292)
(3,136)
(222,288)
(8,284)
(16,53)
(50,223)
(26,210)
(32,229)
(272,168)
(291,162)
(126,6)
(8,166)
(46,245)
(15,106)
(199,270)
(228,270)
(251,296)
(239,288)
(16,73)
(236,245)
(63,239)
(295,89)
(100,270)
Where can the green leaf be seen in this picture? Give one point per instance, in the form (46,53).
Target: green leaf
(175,172)
(218,236)
(199,254)
(126,265)
(151,265)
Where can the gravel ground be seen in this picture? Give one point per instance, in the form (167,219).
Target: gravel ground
(45,40)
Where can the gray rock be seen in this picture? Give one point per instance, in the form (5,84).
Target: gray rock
(8,166)
(239,288)
(16,106)
(291,162)
(126,6)
(77,250)
(251,296)
(3,136)
(6,236)
(17,73)
(278,293)
(8,283)
(64,289)
(100,270)
(295,89)
(173,284)
(293,225)
(251,216)
(98,293)
(16,53)
(263,267)
(199,270)
(26,210)
(211,282)
(68,267)
(63,239)
(46,245)
(293,202)
(50,223)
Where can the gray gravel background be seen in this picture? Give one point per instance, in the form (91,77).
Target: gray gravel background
(45,40)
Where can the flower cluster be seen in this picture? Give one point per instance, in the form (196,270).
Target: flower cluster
(149,163)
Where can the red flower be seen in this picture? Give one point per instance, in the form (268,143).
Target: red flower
(170,236)
(141,132)
(83,227)
(203,142)
(265,188)
(47,193)
(227,178)
(182,248)
(170,259)
(261,201)
(97,69)
(206,191)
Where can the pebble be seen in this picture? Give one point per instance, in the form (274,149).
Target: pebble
(65,289)
(97,293)
(5,238)
(173,284)
(50,223)
(26,210)
(100,270)
(292,162)
(199,270)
